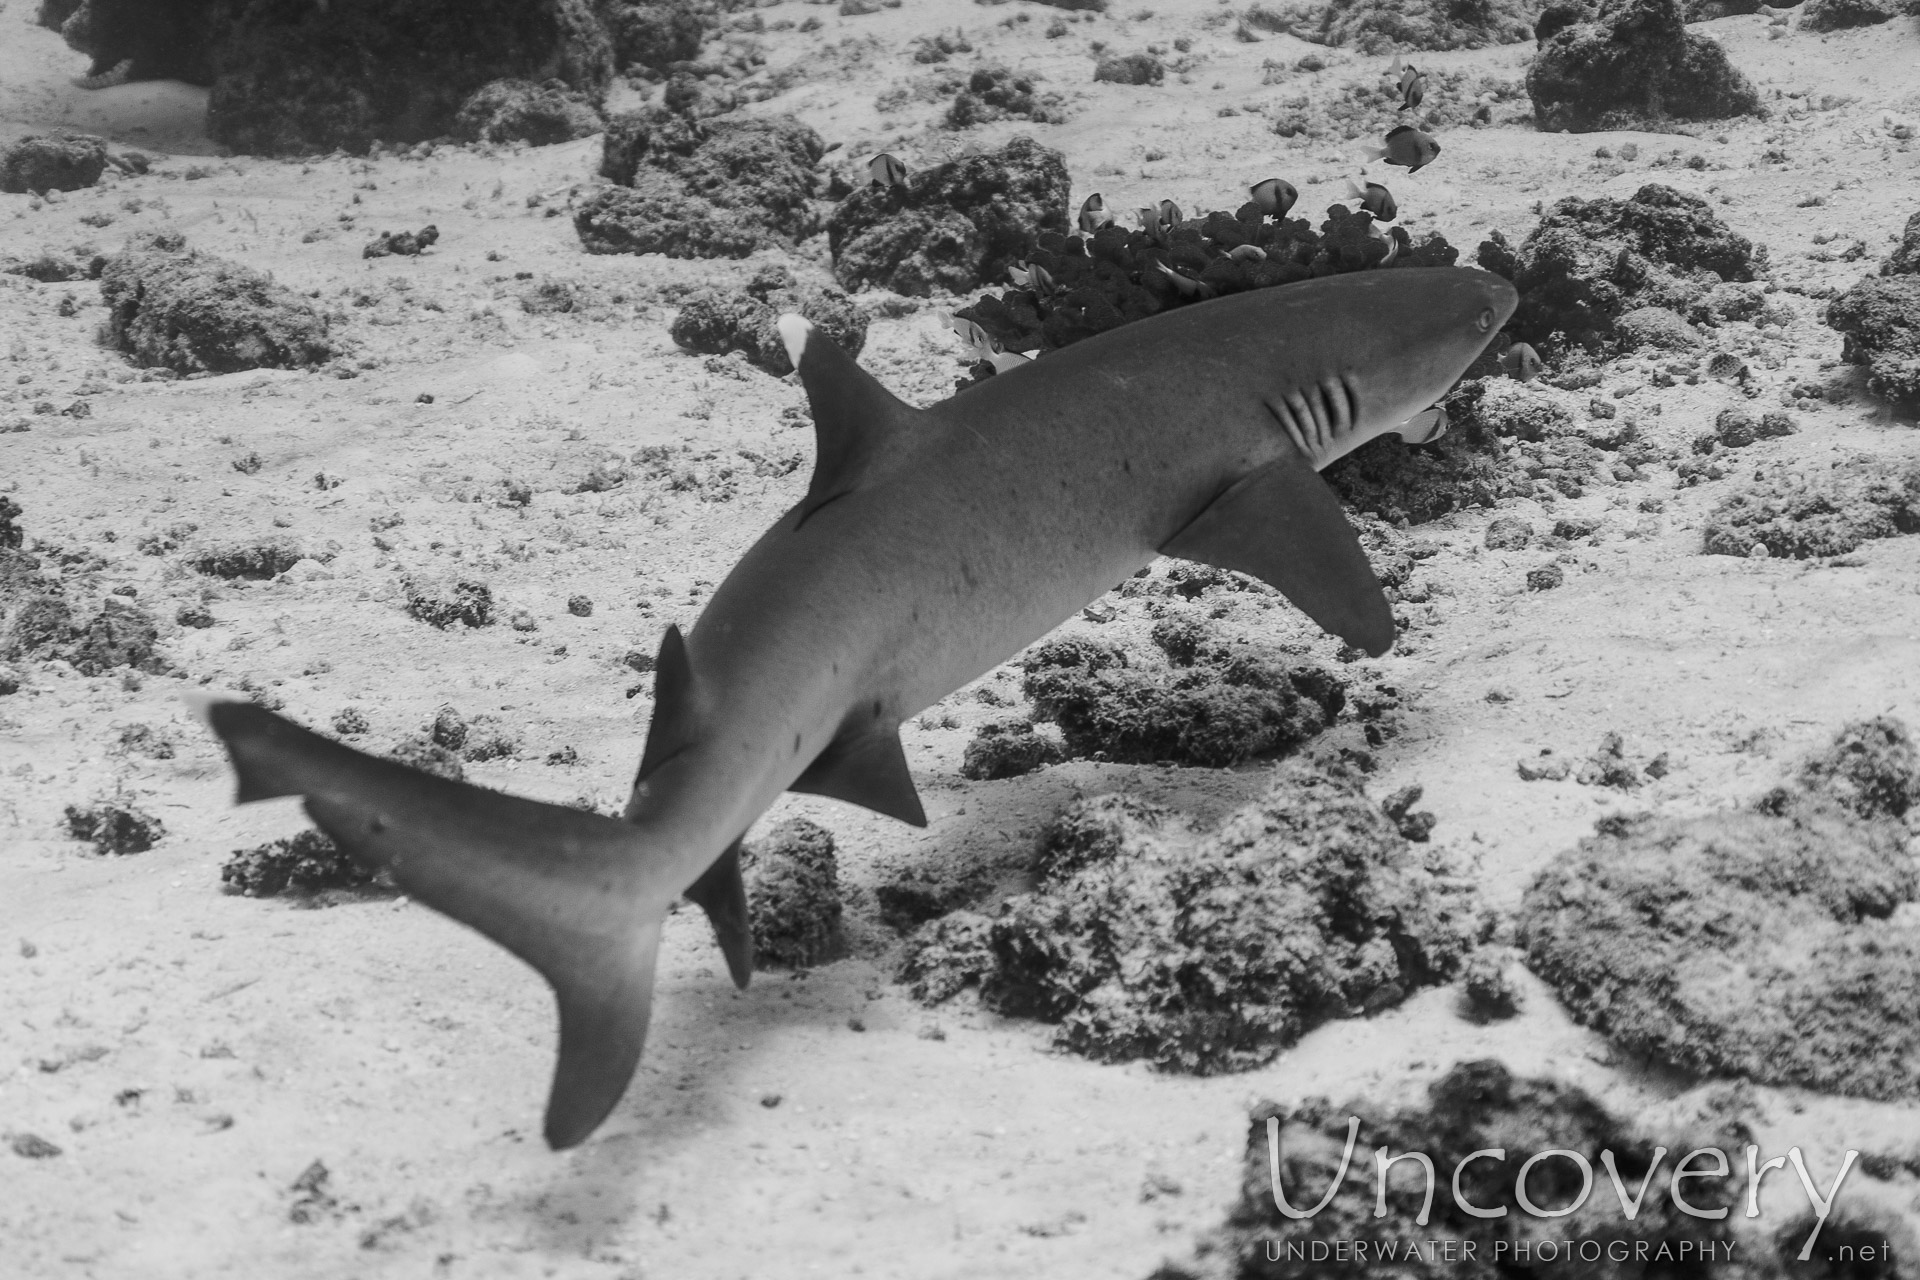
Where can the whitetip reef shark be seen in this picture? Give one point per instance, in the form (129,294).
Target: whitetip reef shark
(932,545)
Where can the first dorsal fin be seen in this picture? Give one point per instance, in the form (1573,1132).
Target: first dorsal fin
(672,726)
(854,417)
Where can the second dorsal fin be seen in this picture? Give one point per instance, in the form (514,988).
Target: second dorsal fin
(671,730)
(854,417)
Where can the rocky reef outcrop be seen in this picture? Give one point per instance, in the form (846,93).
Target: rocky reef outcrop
(1629,64)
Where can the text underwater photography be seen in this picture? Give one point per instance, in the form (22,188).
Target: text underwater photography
(1165,639)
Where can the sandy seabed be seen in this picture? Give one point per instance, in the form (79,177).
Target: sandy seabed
(193,1053)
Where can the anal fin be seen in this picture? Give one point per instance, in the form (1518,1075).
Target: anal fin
(868,769)
(722,894)
(1283,525)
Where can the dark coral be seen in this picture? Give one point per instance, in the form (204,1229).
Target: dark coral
(191,312)
(309,862)
(66,163)
(951,226)
(1761,942)
(441,605)
(1588,262)
(1474,1109)
(793,891)
(1630,64)
(522,111)
(302,78)
(1227,705)
(113,827)
(1825,512)
(1213,953)
(1115,276)
(716,321)
(995,93)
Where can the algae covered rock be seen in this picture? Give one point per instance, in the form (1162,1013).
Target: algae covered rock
(656,34)
(701,188)
(1386,26)
(1218,707)
(1767,942)
(953,225)
(1630,64)
(1820,512)
(1880,319)
(131,40)
(65,163)
(793,892)
(1838,15)
(180,309)
(1589,262)
(1212,953)
(522,111)
(1509,1123)
(297,79)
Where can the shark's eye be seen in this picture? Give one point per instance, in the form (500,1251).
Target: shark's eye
(1485,321)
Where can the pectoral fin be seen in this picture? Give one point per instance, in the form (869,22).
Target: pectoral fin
(722,893)
(1283,525)
(868,769)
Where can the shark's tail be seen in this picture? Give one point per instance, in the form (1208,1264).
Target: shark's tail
(578,896)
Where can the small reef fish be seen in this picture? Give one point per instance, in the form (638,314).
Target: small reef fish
(1247,253)
(981,345)
(1522,363)
(1375,199)
(1094,214)
(1424,427)
(1187,285)
(1412,82)
(1413,149)
(1031,277)
(1274,196)
(931,546)
(1397,239)
(886,170)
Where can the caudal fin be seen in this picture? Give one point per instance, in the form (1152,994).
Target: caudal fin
(574,894)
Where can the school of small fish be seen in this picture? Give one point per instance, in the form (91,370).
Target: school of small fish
(1404,145)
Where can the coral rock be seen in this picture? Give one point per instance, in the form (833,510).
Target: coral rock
(1628,64)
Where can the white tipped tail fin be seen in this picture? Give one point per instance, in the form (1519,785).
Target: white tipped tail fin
(578,896)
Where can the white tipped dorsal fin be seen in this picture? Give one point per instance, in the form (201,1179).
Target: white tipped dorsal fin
(793,331)
(854,417)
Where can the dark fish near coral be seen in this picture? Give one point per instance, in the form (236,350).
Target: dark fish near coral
(981,345)
(1187,286)
(1036,278)
(1522,362)
(1274,197)
(1424,427)
(1411,82)
(1411,148)
(886,170)
(1397,239)
(1094,214)
(1375,199)
(932,545)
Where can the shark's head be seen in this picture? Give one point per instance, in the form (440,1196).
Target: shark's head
(1384,346)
